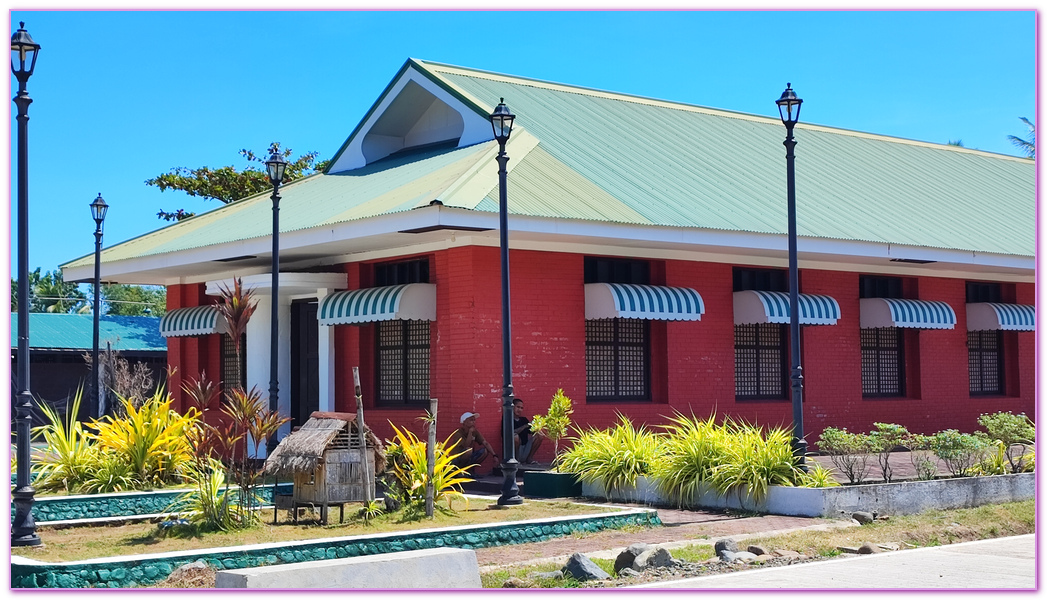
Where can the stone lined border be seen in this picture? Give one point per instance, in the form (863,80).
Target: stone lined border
(146,569)
(49,509)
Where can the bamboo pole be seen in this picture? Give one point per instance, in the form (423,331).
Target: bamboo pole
(368,491)
(430,458)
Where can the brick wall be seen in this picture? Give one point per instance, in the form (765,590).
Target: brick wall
(692,362)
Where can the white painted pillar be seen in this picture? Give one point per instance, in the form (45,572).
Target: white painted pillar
(325,354)
(258,358)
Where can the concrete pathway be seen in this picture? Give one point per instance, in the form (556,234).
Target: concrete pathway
(1008,562)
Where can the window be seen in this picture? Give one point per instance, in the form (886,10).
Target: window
(403,362)
(617,351)
(883,364)
(402,347)
(985,361)
(761,349)
(883,349)
(229,368)
(759,360)
(985,348)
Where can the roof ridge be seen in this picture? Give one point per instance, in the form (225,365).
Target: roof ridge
(675,104)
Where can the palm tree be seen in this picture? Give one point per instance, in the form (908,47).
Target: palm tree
(1028,147)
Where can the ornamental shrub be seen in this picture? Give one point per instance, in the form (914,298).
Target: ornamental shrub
(849,452)
(555,423)
(885,437)
(1015,433)
(960,451)
(693,448)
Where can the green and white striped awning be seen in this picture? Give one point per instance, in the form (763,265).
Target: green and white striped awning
(753,306)
(631,301)
(983,316)
(194,320)
(895,312)
(411,301)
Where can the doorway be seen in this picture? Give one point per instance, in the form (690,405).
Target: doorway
(305,361)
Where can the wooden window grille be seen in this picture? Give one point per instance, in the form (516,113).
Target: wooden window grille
(616,359)
(759,361)
(229,370)
(403,363)
(985,362)
(883,362)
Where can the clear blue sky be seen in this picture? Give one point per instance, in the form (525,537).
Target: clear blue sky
(119,97)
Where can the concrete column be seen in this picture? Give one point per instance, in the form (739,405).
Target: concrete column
(258,330)
(325,342)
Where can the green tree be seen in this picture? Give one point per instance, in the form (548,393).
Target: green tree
(48,292)
(133,300)
(1027,146)
(227,184)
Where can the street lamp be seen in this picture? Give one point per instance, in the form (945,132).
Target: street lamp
(23,529)
(502,123)
(275,167)
(789,110)
(98,210)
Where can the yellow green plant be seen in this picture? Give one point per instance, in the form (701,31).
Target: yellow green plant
(151,439)
(754,461)
(819,477)
(407,455)
(69,456)
(693,448)
(614,457)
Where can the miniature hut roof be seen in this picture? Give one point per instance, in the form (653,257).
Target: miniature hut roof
(303,449)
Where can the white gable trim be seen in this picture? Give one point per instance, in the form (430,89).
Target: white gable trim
(476,129)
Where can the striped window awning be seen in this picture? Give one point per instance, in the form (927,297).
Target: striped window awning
(194,320)
(983,316)
(410,301)
(917,314)
(753,306)
(632,301)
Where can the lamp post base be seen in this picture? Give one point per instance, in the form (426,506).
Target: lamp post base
(510,491)
(23,528)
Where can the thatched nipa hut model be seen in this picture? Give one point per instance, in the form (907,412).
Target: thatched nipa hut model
(325,459)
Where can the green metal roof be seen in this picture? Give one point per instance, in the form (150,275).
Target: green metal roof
(682,165)
(610,157)
(49,331)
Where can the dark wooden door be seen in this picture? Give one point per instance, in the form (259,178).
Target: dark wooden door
(305,361)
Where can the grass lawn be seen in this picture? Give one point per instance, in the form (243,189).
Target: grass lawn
(80,543)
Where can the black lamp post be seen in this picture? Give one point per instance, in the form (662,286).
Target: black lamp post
(275,166)
(98,210)
(23,529)
(789,110)
(502,123)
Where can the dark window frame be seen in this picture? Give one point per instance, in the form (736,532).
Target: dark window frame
(405,336)
(228,355)
(873,352)
(403,340)
(977,353)
(620,350)
(764,380)
(599,269)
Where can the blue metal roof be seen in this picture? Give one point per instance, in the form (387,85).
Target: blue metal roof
(49,331)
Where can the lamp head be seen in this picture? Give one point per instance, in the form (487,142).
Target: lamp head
(23,53)
(502,122)
(98,210)
(276,165)
(789,106)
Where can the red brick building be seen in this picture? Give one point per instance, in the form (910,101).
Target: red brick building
(917,298)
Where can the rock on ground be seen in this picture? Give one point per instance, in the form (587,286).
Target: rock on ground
(582,568)
(626,557)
